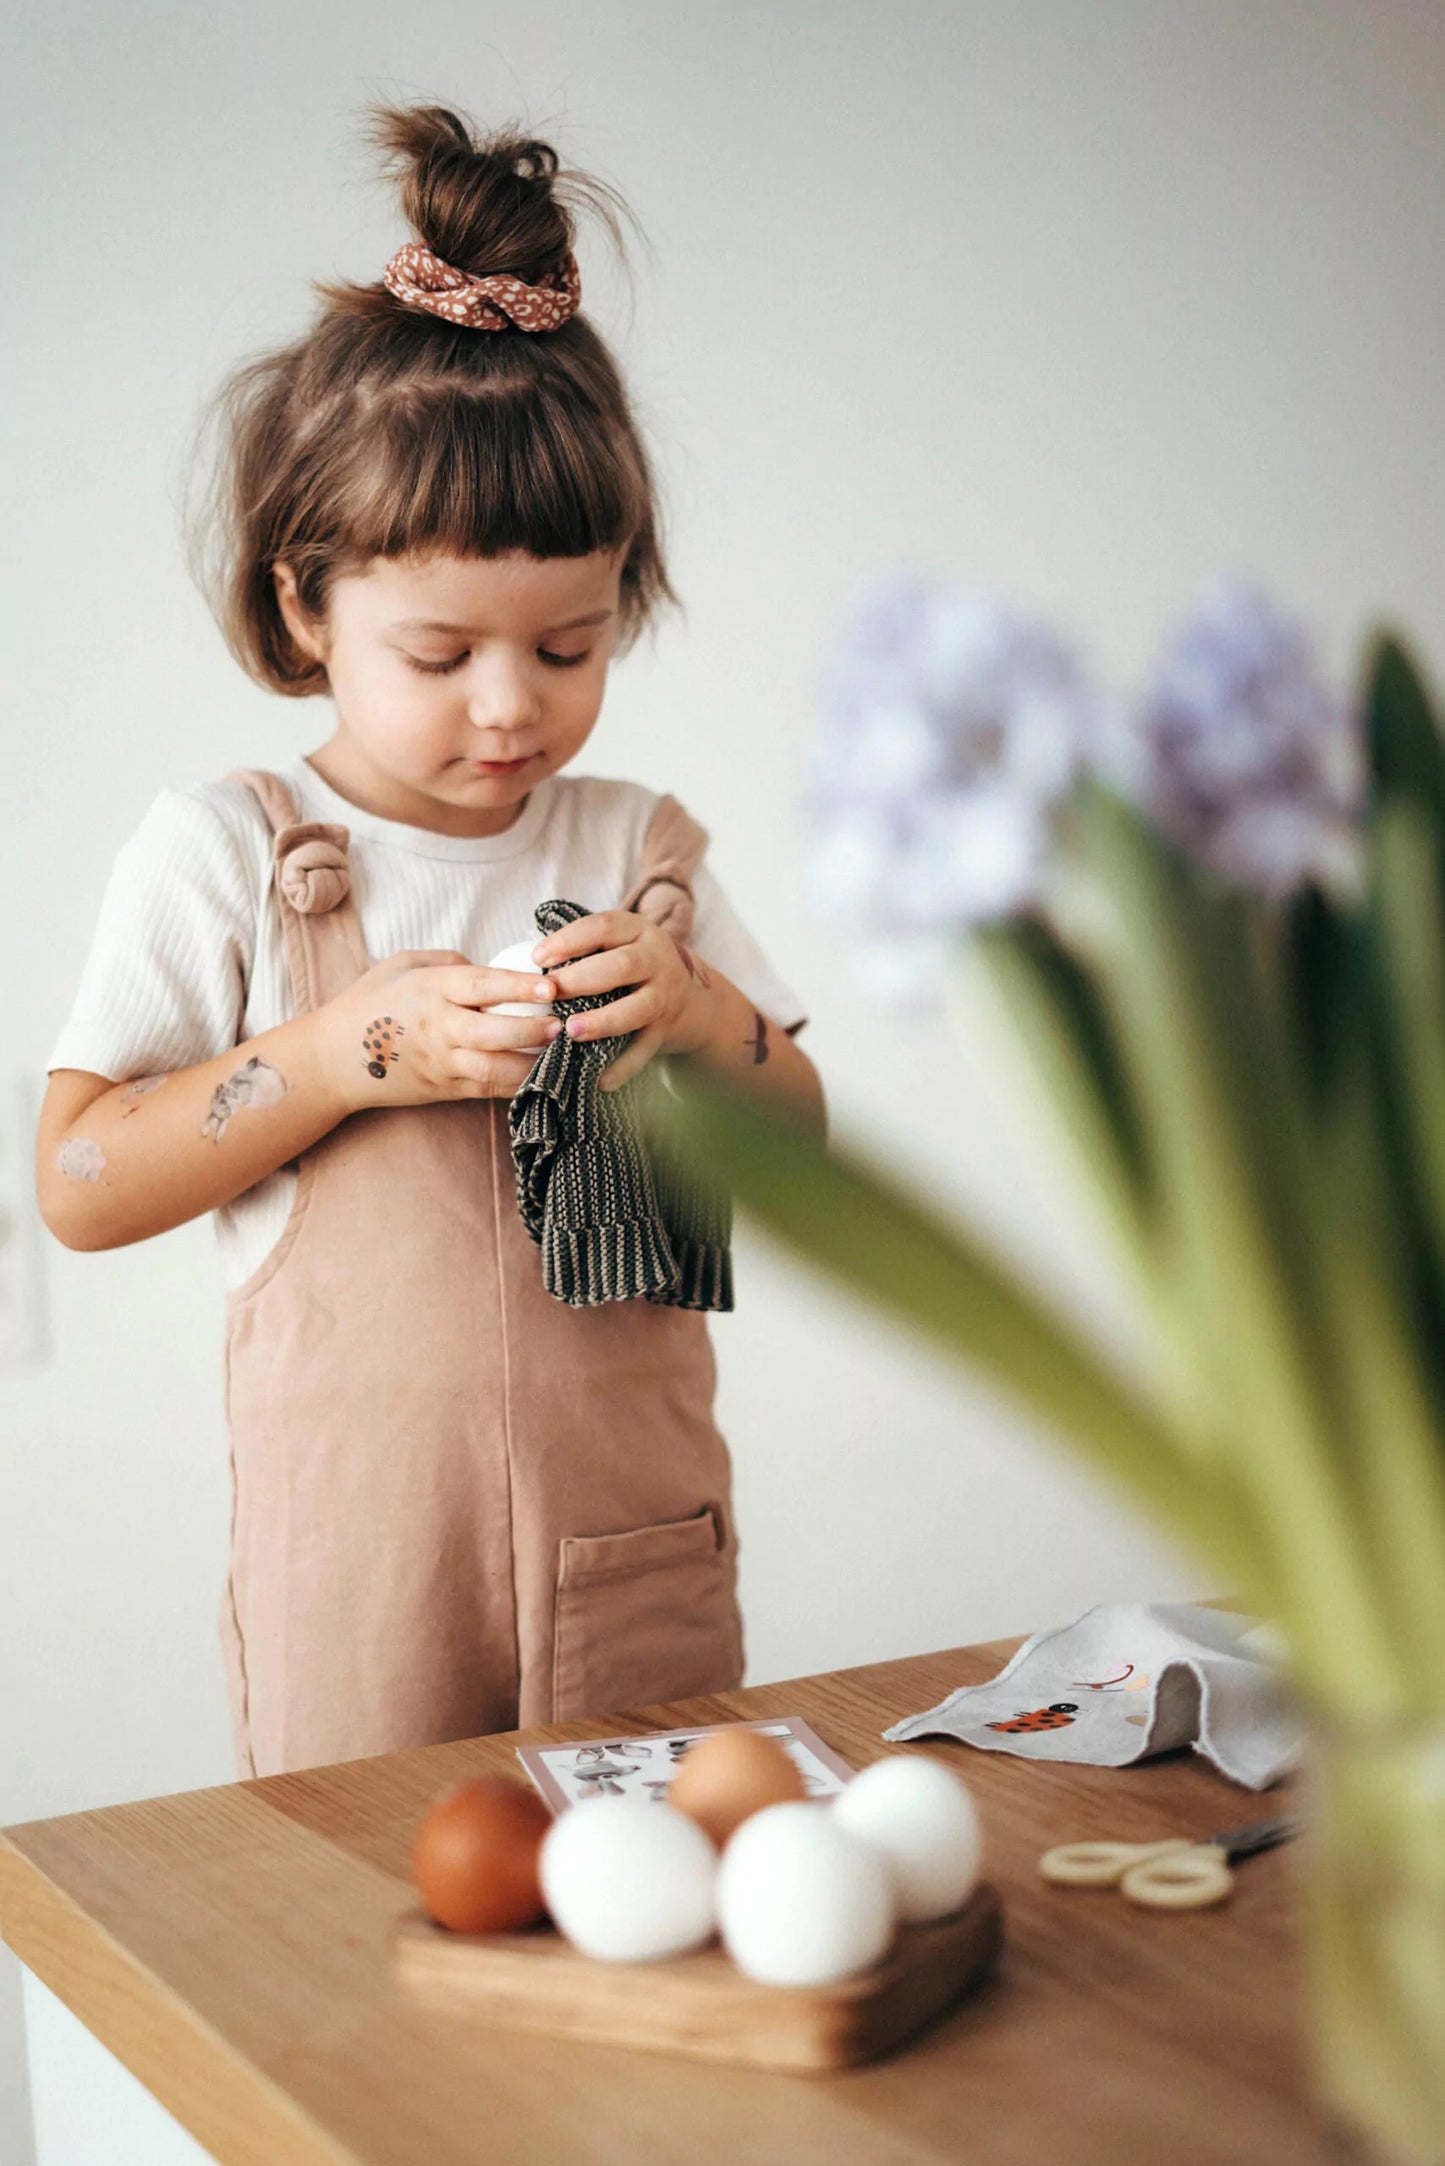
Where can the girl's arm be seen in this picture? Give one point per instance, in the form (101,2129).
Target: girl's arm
(677,1004)
(747,1048)
(117,1162)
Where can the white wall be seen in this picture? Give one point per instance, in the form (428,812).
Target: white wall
(1087,300)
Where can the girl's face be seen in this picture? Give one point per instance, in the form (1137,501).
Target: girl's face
(459,682)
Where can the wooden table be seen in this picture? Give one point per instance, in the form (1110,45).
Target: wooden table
(229,1946)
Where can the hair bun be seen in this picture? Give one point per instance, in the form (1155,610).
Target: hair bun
(484,203)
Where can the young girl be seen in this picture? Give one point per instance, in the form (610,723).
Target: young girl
(458,1504)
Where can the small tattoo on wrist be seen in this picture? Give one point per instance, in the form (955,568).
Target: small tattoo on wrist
(141,1088)
(80,1160)
(253,1085)
(695,970)
(377,1040)
(759,1040)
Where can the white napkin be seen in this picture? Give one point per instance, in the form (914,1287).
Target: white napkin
(1125,1681)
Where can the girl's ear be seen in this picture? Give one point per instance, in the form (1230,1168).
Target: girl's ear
(297,622)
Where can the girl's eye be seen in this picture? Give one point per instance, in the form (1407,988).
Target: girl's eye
(444,669)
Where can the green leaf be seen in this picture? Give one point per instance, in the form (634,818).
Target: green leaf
(850,1220)
(1228,1133)
(1408,906)
(1062,1020)
(1389,1385)
(1326,966)
(1406,754)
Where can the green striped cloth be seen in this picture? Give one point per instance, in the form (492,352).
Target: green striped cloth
(613,1223)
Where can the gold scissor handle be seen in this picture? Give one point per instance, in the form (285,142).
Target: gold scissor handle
(1189,1879)
(1105,1865)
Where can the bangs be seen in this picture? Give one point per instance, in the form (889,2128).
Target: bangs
(475,471)
(385,434)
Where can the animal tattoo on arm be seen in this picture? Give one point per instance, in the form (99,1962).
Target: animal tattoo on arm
(80,1160)
(255,1084)
(377,1042)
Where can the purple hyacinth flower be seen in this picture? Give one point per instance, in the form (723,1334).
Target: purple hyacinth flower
(1243,755)
(953,728)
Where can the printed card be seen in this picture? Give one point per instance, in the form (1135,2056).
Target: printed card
(644,1766)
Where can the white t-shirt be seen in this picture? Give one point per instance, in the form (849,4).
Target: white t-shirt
(188,957)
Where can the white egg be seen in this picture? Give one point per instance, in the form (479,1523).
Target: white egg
(519,957)
(923,1823)
(800,1900)
(627,1880)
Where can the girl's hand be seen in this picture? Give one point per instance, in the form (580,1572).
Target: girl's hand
(670,1007)
(412,1031)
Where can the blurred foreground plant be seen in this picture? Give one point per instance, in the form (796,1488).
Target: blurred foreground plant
(1216,920)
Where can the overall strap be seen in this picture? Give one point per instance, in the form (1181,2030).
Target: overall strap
(671,852)
(325,951)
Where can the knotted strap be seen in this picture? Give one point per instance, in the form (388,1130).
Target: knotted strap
(325,950)
(312,870)
(672,851)
(611,1226)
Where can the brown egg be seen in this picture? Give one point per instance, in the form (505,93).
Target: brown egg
(727,1777)
(475,1856)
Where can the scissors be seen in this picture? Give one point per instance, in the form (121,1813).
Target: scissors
(1175,1875)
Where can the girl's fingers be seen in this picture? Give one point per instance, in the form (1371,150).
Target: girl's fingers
(488,1033)
(499,1074)
(601,973)
(475,985)
(603,929)
(644,1046)
(635,1011)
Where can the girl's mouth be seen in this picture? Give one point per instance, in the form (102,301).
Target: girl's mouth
(501,767)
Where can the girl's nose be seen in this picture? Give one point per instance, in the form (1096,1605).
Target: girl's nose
(504,698)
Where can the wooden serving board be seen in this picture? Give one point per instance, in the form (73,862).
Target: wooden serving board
(701,2004)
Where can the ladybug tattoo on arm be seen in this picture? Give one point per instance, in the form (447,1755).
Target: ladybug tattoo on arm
(377,1042)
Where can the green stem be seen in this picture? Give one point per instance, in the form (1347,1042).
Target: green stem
(1399,1463)
(1224,1131)
(849,1220)
(1372,1879)
(1411,910)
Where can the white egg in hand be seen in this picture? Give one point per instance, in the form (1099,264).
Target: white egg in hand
(801,1900)
(923,1822)
(628,1881)
(519,957)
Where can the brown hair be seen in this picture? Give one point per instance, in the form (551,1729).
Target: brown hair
(387,431)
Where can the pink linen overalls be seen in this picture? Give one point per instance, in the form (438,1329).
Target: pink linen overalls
(458,1505)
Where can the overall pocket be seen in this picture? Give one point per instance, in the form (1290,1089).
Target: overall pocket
(646,1615)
